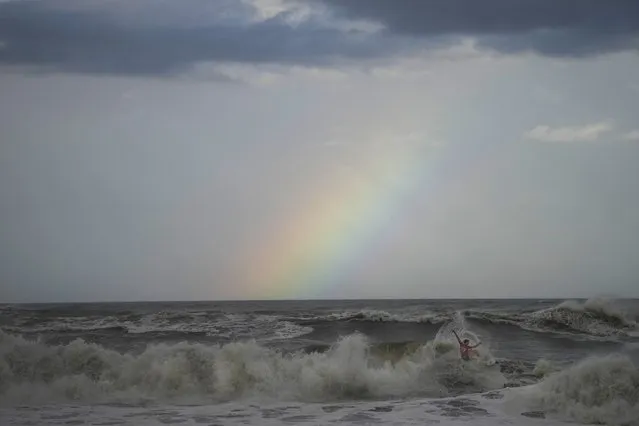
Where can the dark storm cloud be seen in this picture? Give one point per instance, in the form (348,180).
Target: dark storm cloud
(87,41)
(33,33)
(549,27)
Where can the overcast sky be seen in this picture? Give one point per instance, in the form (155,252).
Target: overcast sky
(246,149)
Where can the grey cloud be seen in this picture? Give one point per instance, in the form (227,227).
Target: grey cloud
(83,40)
(549,27)
(94,40)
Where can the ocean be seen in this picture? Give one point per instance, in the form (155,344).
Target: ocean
(390,362)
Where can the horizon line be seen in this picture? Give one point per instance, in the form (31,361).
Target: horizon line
(319,300)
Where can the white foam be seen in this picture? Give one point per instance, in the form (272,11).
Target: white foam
(33,372)
(601,390)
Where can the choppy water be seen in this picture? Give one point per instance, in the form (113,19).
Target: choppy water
(319,362)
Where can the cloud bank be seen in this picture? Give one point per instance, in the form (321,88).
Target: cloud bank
(146,37)
(547,27)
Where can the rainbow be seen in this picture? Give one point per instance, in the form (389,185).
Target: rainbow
(342,219)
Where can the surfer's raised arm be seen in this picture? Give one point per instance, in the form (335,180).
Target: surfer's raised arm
(458,339)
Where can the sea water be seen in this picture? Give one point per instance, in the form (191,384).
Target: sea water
(320,362)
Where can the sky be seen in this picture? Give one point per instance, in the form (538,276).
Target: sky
(293,149)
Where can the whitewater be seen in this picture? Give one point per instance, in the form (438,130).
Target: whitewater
(320,362)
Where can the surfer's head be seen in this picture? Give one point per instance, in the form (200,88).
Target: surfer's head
(466,341)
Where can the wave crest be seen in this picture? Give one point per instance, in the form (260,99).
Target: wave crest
(598,317)
(594,317)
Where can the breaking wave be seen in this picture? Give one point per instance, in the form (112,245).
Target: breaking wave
(595,316)
(602,390)
(32,372)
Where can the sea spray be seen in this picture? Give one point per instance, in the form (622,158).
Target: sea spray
(458,325)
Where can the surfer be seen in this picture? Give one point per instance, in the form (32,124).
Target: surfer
(465,348)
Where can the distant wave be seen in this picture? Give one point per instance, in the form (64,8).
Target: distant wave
(372,315)
(195,323)
(70,325)
(594,317)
